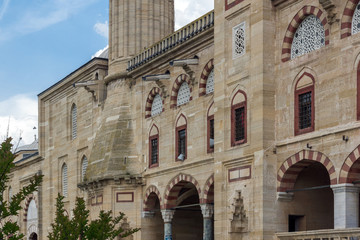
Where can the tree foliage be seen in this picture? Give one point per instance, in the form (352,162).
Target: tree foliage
(10,209)
(106,227)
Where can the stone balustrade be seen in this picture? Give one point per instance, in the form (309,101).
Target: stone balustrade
(192,29)
(332,234)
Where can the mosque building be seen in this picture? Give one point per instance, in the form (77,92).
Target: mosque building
(243,124)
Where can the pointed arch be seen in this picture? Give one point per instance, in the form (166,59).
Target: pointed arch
(150,99)
(295,23)
(350,167)
(347,17)
(238,118)
(176,86)
(291,168)
(210,128)
(175,185)
(181,138)
(208,192)
(204,77)
(150,199)
(27,201)
(154,146)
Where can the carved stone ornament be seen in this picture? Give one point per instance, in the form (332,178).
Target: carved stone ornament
(239,221)
(207,210)
(167,215)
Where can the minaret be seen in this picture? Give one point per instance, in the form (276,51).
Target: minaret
(135,25)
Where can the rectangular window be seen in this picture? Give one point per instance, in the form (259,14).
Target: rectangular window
(154,151)
(181,144)
(305,110)
(210,134)
(238,124)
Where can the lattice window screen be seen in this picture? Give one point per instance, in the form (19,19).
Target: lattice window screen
(84,167)
(74,121)
(64,181)
(157,105)
(355,25)
(210,83)
(183,94)
(309,36)
(239,48)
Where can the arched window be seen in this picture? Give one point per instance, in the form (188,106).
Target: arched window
(84,165)
(157,105)
(73,121)
(154,147)
(210,129)
(183,94)
(210,83)
(64,180)
(309,36)
(181,139)
(238,119)
(10,195)
(355,24)
(304,104)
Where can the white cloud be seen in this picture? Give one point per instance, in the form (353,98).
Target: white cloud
(19,113)
(4,8)
(42,15)
(187,10)
(98,53)
(102,29)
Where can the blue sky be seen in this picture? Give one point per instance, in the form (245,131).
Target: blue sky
(41,41)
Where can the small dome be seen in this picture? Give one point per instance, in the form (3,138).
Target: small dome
(30,147)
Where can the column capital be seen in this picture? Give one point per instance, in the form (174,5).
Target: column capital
(345,187)
(167,215)
(207,210)
(285,196)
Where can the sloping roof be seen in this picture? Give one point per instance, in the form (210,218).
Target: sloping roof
(30,147)
(104,54)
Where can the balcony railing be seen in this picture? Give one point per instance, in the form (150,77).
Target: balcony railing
(192,29)
(333,234)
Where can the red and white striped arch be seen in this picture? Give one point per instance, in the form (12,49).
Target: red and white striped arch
(208,193)
(175,185)
(27,201)
(346,20)
(294,24)
(150,198)
(204,76)
(175,89)
(350,170)
(291,168)
(150,99)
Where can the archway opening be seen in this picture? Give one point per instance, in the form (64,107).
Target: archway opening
(33,236)
(312,207)
(152,224)
(188,219)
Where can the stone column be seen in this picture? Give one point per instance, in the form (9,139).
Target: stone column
(346,206)
(167,215)
(208,212)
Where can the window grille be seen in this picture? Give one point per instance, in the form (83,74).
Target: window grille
(64,181)
(157,105)
(183,94)
(182,142)
(210,83)
(211,133)
(239,124)
(74,121)
(309,36)
(305,110)
(355,25)
(239,40)
(84,167)
(154,151)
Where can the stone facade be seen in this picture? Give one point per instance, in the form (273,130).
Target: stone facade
(261,175)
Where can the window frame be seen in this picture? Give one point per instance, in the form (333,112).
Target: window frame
(177,130)
(82,167)
(210,149)
(74,131)
(233,127)
(152,165)
(299,92)
(63,180)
